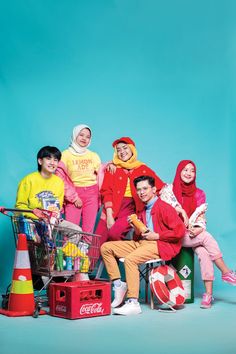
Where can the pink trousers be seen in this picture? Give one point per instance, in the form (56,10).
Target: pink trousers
(207,250)
(89,197)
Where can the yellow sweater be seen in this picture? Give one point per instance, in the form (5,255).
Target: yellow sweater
(35,191)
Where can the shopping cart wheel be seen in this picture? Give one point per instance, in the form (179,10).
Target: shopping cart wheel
(5,298)
(37,309)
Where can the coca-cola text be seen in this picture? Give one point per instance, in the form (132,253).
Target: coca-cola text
(88,309)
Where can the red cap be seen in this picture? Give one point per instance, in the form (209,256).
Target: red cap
(124,139)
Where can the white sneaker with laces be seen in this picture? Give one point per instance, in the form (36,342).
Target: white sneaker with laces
(129,308)
(119,294)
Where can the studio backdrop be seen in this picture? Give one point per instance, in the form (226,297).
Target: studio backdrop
(163,73)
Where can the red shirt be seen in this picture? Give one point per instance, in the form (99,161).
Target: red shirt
(169,226)
(114,186)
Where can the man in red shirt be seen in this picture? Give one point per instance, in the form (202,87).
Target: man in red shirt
(162,240)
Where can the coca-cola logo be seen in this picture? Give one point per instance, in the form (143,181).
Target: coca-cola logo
(61,308)
(88,309)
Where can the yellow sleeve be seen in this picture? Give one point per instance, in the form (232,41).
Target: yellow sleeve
(65,156)
(22,196)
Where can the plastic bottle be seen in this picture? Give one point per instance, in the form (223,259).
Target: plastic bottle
(59,260)
(140,226)
(69,263)
(77,263)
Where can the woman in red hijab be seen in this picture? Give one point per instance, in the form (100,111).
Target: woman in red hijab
(193,201)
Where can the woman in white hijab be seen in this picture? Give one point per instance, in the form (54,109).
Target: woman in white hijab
(79,169)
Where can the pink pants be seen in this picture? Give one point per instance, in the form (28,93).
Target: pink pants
(121,226)
(89,197)
(207,250)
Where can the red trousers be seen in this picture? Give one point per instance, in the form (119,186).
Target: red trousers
(121,226)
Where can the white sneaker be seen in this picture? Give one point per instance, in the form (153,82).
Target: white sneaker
(129,308)
(119,294)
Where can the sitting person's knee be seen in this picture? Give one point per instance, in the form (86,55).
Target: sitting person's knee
(104,248)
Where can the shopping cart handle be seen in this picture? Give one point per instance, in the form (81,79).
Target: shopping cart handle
(2,210)
(5,210)
(40,213)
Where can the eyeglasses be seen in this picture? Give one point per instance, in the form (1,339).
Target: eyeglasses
(143,189)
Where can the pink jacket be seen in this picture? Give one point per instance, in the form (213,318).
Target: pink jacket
(200,197)
(70,189)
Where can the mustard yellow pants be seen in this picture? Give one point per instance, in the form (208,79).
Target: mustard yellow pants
(134,253)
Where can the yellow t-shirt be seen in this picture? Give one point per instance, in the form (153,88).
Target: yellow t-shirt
(82,169)
(35,191)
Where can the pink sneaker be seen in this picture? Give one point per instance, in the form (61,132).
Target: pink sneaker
(229,278)
(206,301)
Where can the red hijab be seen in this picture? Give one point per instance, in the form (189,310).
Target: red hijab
(185,192)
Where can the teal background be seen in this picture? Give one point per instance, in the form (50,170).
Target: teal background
(160,72)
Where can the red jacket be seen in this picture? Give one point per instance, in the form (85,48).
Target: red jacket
(169,226)
(114,186)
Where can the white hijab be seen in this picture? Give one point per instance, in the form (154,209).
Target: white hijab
(74,147)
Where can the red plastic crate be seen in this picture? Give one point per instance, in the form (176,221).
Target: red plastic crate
(80,299)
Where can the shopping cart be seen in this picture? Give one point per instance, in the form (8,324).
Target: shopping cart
(55,252)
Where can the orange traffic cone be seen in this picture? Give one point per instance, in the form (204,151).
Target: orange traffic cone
(21,298)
